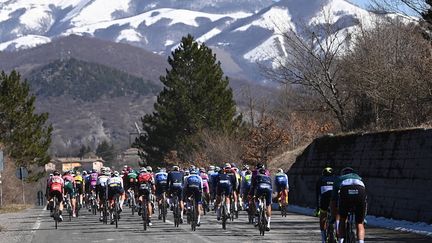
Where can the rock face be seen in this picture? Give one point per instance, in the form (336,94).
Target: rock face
(396,167)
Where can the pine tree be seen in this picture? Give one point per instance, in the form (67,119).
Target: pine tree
(195,96)
(23,132)
(106,151)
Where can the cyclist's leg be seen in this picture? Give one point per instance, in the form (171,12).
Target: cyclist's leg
(198,203)
(268,205)
(360,213)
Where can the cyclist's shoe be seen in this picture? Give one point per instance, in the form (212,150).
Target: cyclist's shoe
(120,210)
(150,223)
(112,221)
(160,216)
(267,228)
(60,218)
(100,218)
(74,215)
(198,224)
(181,220)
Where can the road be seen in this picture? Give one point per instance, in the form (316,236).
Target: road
(36,226)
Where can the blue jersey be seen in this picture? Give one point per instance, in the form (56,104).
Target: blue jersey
(161,178)
(281,180)
(175,178)
(194,181)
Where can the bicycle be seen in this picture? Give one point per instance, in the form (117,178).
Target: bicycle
(329,228)
(93,203)
(116,210)
(193,214)
(224,215)
(282,204)
(163,208)
(232,208)
(56,213)
(176,211)
(132,202)
(68,206)
(349,229)
(144,213)
(262,220)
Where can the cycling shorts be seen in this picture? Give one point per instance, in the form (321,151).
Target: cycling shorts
(225,189)
(57,194)
(79,188)
(280,187)
(69,190)
(160,189)
(112,191)
(101,191)
(177,191)
(265,190)
(352,199)
(324,201)
(195,193)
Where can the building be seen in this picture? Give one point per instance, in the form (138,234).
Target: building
(71,163)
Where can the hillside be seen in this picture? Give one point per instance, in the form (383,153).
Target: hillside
(86,81)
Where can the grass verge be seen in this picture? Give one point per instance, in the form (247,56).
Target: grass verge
(13,208)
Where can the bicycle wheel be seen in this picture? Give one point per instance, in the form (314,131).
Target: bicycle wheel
(132,202)
(176,213)
(193,215)
(224,215)
(164,207)
(56,211)
(144,214)
(105,212)
(116,210)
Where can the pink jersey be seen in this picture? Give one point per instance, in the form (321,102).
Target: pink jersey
(69,178)
(205,179)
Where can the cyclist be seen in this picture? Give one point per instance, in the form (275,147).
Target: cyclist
(212,182)
(115,186)
(70,189)
(193,186)
(47,190)
(161,180)
(80,187)
(262,185)
(175,186)
(324,188)
(56,189)
(101,189)
(232,172)
(145,189)
(130,180)
(245,188)
(206,187)
(224,185)
(350,193)
(282,187)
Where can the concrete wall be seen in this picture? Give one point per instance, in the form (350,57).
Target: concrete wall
(396,167)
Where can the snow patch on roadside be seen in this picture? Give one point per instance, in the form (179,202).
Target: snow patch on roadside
(399,225)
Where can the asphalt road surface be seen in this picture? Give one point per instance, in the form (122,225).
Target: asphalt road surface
(35,225)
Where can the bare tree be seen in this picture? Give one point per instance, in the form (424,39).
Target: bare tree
(389,66)
(310,59)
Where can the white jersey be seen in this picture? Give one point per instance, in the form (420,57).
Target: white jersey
(115,181)
(102,180)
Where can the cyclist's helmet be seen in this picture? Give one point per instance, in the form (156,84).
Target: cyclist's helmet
(262,171)
(186,172)
(194,172)
(149,169)
(227,166)
(77,173)
(143,169)
(56,173)
(245,167)
(116,174)
(94,171)
(202,170)
(162,170)
(217,169)
(233,165)
(259,166)
(211,167)
(280,170)
(51,175)
(84,172)
(347,170)
(175,168)
(327,171)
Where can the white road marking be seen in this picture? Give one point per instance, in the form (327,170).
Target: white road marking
(37,224)
(192,232)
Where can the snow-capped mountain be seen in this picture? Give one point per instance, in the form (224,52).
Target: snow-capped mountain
(241,32)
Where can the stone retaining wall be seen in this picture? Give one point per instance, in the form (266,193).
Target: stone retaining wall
(396,167)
